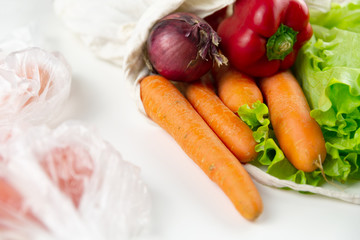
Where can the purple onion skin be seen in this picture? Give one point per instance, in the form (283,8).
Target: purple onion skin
(175,48)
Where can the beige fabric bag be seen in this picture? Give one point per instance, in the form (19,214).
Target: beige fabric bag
(117,30)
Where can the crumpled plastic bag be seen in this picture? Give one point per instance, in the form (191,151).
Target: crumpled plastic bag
(117,34)
(68,183)
(34,85)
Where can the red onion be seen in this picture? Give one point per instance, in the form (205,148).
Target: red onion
(183,47)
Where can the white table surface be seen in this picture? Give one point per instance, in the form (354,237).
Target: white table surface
(185,203)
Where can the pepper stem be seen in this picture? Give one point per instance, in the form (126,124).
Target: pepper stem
(281,43)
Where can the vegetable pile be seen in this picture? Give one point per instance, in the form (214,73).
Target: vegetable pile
(328,78)
(328,68)
(287,101)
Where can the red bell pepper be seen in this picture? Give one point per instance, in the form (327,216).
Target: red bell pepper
(262,37)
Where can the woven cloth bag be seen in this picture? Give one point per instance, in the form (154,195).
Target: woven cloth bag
(116,31)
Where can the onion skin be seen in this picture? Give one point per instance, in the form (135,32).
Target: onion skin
(182,47)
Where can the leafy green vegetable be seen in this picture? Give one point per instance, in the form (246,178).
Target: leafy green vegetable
(328,68)
(270,155)
(346,17)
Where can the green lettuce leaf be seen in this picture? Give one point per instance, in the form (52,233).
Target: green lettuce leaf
(346,17)
(271,157)
(328,69)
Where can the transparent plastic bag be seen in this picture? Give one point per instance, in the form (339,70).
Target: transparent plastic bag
(34,85)
(68,183)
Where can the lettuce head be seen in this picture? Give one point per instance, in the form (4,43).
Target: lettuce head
(328,69)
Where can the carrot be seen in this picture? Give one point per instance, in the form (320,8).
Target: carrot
(10,201)
(299,135)
(166,106)
(33,72)
(69,167)
(12,207)
(235,88)
(235,134)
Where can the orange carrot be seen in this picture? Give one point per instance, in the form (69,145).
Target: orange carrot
(235,88)
(166,106)
(10,201)
(32,73)
(69,167)
(235,134)
(12,207)
(299,135)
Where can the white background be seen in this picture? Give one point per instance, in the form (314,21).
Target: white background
(185,203)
